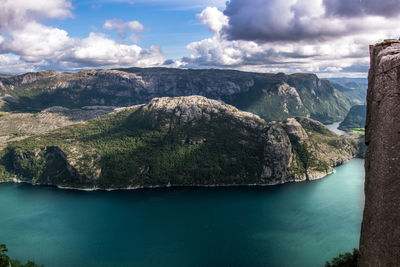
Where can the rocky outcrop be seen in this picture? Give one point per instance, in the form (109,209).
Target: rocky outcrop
(271,96)
(182,141)
(380,234)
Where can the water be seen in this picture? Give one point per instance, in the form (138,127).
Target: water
(334,128)
(298,224)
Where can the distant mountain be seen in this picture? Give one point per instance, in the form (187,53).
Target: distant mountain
(354,88)
(355,119)
(177,141)
(271,96)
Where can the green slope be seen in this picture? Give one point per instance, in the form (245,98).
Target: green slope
(177,141)
(355,119)
(271,96)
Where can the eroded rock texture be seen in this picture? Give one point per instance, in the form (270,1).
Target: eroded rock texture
(380,234)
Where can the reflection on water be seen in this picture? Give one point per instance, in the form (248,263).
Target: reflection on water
(334,128)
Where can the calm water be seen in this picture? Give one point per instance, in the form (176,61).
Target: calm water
(334,128)
(299,224)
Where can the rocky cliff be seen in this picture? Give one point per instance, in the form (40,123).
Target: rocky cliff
(380,234)
(177,141)
(271,96)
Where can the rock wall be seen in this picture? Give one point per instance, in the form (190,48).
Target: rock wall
(380,234)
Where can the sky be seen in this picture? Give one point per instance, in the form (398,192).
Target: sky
(328,37)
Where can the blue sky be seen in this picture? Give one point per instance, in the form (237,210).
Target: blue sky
(327,37)
(171,26)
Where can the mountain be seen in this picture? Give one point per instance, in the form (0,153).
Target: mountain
(182,141)
(355,89)
(355,119)
(271,96)
(17,126)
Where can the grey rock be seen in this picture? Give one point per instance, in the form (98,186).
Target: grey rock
(380,234)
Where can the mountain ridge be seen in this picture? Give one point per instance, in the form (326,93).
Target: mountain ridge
(271,96)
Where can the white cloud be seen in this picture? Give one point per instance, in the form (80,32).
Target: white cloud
(13,64)
(214,19)
(97,50)
(15,13)
(123,27)
(34,45)
(36,42)
(325,45)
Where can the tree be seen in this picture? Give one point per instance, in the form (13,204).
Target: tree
(344,260)
(6,262)
(4,259)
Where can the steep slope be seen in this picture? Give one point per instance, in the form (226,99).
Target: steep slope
(177,141)
(380,235)
(355,89)
(355,119)
(271,96)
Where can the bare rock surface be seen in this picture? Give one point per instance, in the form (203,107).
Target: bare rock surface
(380,234)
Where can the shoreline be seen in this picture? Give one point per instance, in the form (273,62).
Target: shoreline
(131,188)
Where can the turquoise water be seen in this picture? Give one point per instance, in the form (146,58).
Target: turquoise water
(299,224)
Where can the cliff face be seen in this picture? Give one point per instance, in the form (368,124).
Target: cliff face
(177,141)
(271,96)
(380,234)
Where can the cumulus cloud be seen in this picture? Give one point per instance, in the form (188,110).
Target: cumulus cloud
(124,27)
(97,50)
(387,8)
(13,64)
(214,19)
(34,45)
(15,13)
(36,42)
(294,20)
(292,36)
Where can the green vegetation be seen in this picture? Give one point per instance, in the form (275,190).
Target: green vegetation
(309,97)
(355,120)
(151,145)
(5,261)
(321,149)
(360,131)
(262,94)
(136,148)
(344,260)
(355,89)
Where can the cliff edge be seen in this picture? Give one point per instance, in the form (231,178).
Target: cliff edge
(380,233)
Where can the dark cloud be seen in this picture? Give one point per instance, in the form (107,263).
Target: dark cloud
(352,8)
(283,20)
(168,62)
